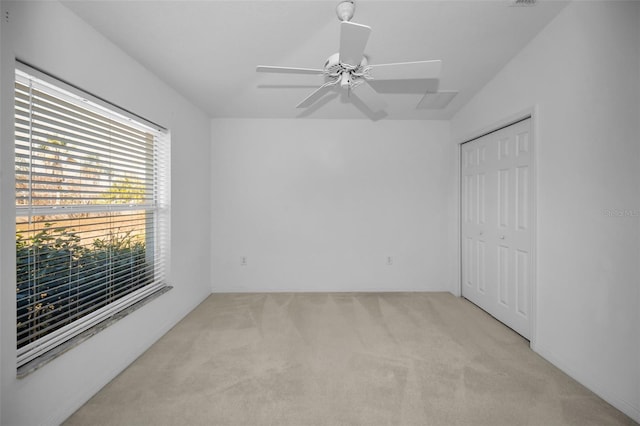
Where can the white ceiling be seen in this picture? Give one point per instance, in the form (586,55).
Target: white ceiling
(208,49)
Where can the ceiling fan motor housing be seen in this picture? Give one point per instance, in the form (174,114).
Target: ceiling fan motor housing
(346,75)
(334,60)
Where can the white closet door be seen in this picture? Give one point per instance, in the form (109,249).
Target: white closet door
(496,224)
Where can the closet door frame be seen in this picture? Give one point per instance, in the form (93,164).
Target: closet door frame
(531,113)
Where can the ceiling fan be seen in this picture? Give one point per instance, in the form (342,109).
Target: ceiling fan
(349,69)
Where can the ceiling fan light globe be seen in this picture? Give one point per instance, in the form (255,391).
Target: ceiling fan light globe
(345,10)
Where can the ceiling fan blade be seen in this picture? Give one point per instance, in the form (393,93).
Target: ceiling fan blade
(353,40)
(369,97)
(288,70)
(406,70)
(317,94)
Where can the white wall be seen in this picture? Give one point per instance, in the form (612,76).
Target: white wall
(583,74)
(3,113)
(50,37)
(638,198)
(319,205)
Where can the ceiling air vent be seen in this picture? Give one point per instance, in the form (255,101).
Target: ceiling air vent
(437,100)
(522,2)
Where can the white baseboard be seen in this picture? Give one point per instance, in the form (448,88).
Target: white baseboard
(591,382)
(77,401)
(220,290)
(588,380)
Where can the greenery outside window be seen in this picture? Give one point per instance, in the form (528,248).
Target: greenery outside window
(92,211)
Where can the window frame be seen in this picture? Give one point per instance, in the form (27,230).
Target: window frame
(37,353)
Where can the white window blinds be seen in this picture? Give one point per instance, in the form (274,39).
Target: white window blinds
(92,212)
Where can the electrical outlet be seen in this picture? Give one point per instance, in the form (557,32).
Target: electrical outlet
(389,260)
(243,261)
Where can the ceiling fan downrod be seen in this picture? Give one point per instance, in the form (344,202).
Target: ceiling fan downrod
(345,10)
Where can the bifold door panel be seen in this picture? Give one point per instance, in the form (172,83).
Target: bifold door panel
(496,224)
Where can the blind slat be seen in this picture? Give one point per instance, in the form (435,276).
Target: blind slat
(78,107)
(66,143)
(39,113)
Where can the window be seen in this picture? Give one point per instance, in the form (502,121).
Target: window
(92,212)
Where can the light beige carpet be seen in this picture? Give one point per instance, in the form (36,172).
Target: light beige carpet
(343,359)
